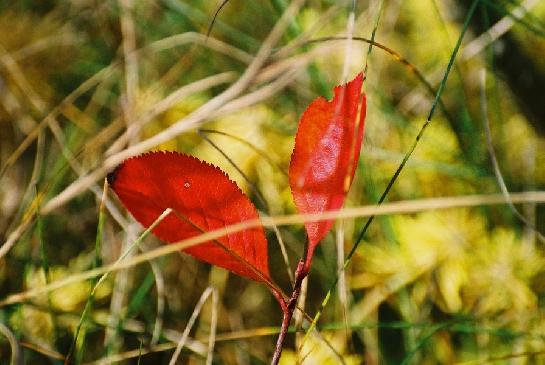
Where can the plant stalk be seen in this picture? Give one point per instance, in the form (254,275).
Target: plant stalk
(288,309)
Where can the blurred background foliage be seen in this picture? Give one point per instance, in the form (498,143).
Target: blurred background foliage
(461,285)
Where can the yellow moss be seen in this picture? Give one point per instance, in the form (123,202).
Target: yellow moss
(69,298)
(308,18)
(270,183)
(474,271)
(524,160)
(315,351)
(245,125)
(35,324)
(180,110)
(440,142)
(427,39)
(503,269)
(451,277)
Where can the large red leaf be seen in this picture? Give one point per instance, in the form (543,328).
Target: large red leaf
(203,199)
(325,156)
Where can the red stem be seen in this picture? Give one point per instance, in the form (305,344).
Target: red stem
(286,319)
(288,306)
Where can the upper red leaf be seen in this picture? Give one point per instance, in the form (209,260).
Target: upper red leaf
(203,199)
(325,156)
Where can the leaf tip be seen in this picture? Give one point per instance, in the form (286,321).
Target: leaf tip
(356,82)
(111,176)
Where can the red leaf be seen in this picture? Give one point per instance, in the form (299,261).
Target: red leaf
(323,162)
(203,199)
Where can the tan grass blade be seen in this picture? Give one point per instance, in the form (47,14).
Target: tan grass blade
(401,207)
(210,291)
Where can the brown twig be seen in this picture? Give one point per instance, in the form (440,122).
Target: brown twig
(288,309)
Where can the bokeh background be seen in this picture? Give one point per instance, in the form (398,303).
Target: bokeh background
(82,81)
